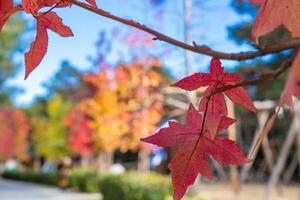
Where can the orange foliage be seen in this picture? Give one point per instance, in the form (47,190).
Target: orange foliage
(126,106)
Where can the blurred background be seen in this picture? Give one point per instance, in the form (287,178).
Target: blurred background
(77,121)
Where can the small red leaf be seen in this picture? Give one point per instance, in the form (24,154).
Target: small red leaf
(195,81)
(196,146)
(38,48)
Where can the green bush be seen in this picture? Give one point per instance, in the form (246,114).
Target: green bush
(134,186)
(129,186)
(112,187)
(31,176)
(85,180)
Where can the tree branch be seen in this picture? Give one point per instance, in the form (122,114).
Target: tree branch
(201,49)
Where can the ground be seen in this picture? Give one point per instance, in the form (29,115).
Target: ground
(248,192)
(13,190)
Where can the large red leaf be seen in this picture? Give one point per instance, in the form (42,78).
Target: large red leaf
(38,48)
(196,146)
(292,87)
(273,13)
(214,106)
(5,7)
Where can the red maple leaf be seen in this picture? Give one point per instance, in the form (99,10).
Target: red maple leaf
(196,146)
(38,48)
(5,7)
(273,13)
(33,6)
(215,105)
(292,86)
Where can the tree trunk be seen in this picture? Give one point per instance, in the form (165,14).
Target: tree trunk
(105,160)
(143,162)
(37,165)
(188,56)
(85,161)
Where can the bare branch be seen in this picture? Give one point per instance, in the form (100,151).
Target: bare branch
(201,49)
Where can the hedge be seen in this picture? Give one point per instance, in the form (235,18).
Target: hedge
(32,176)
(129,186)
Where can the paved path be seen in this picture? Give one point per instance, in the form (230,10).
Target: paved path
(13,190)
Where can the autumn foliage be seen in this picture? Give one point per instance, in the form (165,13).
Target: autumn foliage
(14,133)
(134,105)
(80,139)
(199,136)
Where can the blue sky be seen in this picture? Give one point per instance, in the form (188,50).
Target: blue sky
(210,22)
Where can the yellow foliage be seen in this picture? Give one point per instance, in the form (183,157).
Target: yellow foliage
(126,106)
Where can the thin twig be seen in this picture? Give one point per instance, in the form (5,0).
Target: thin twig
(201,49)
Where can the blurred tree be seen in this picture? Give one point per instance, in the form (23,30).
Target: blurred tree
(37,114)
(119,113)
(49,136)
(139,85)
(80,139)
(14,132)
(106,117)
(132,81)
